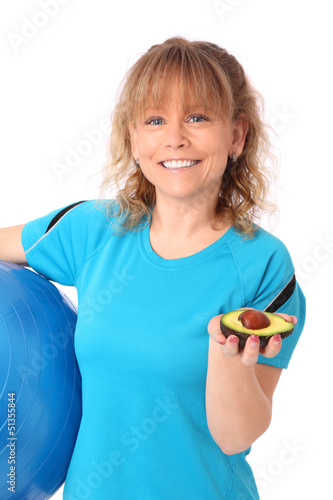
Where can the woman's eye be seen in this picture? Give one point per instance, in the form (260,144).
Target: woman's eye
(197,119)
(154,121)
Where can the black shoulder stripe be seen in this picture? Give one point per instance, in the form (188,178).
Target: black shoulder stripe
(283,296)
(60,214)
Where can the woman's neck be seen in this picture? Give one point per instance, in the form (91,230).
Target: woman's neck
(178,230)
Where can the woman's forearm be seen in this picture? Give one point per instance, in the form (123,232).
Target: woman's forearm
(238,411)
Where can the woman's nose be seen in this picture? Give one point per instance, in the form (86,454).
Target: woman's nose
(177,136)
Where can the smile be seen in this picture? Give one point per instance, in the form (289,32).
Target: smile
(179,163)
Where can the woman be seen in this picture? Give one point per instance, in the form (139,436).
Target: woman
(170,412)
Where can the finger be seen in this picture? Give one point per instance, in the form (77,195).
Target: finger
(273,347)
(250,353)
(214,330)
(230,348)
(288,317)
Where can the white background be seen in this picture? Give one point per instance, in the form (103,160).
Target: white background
(59,76)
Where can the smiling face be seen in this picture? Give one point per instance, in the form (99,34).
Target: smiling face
(183,150)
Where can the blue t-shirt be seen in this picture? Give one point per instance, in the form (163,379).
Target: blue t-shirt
(142,347)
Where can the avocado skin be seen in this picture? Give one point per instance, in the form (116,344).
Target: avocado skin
(244,336)
(263,339)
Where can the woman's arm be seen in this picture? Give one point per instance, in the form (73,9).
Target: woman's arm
(11,248)
(238,390)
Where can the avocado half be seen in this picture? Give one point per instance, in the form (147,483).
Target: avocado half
(231,325)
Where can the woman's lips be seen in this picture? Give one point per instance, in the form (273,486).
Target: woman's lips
(174,164)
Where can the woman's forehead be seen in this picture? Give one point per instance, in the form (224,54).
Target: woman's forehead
(175,101)
(176,95)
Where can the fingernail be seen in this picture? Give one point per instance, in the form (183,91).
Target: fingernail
(233,339)
(222,343)
(276,338)
(254,339)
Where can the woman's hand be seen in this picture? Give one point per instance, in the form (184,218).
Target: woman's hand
(249,355)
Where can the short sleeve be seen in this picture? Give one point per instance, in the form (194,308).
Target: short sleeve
(271,285)
(294,305)
(57,245)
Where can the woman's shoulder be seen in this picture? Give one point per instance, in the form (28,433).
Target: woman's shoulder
(85,217)
(259,237)
(91,211)
(264,265)
(262,246)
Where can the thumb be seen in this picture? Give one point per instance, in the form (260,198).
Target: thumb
(214,330)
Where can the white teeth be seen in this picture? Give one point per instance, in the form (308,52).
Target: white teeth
(179,163)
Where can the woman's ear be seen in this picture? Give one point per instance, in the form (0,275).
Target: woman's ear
(240,129)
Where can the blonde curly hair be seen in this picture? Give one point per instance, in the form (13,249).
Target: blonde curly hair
(217,82)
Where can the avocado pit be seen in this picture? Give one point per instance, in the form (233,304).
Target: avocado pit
(254,320)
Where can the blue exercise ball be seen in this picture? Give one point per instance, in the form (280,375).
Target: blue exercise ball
(40,385)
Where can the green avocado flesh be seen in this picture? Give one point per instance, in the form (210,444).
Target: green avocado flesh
(231,325)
